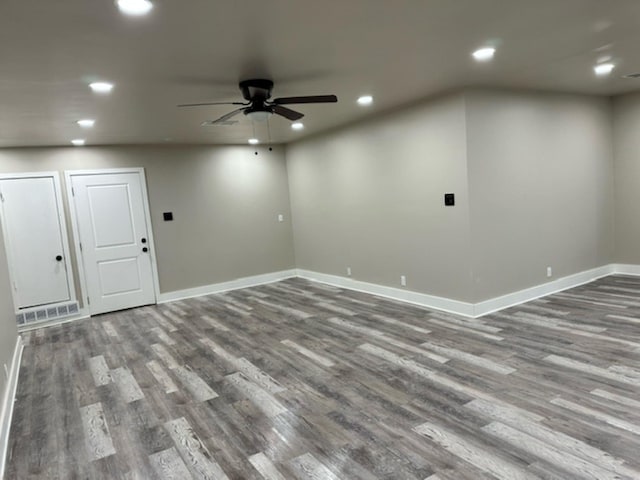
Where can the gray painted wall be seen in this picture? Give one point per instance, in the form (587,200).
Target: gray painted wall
(225,202)
(533,177)
(626,118)
(540,187)
(8,330)
(371,197)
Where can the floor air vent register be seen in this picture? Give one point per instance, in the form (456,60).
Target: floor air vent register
(44,314)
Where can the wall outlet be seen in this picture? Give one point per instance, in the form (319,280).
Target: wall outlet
(6,372)
(403,280)
(280,217)
(348,271)
(549,272)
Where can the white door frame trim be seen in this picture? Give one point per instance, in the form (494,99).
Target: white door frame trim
(68,174)
(63,227)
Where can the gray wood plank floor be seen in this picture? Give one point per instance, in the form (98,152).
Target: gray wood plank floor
(299,380)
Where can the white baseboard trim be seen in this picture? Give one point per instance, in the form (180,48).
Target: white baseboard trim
(626,269)
(226,286)
(505,301)
(7,404)
(421,299)
(472,309)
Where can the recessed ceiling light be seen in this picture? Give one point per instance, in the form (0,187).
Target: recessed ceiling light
(135,7)
(604,68)
(365,100)
(254,141)
(297,125)
(78,142)
(484,54)
(86,123)
(101,87)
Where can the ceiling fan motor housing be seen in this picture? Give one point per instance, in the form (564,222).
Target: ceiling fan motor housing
(256,89)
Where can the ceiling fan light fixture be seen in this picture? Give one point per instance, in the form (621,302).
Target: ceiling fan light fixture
(254,141)
(365,100)
(135,7)
(297,126)
(258,115)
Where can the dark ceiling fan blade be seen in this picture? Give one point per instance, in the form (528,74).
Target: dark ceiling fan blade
(287,112)
(308,99)
(211,103)
(226,117)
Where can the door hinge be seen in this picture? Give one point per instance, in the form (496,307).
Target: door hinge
(73,192)
(88,301)
(80,245)
(1,197)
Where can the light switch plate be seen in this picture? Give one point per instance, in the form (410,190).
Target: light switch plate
(449,199)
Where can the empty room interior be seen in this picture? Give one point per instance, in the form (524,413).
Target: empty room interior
(353,240)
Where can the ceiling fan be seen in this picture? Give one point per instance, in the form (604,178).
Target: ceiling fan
(258,106)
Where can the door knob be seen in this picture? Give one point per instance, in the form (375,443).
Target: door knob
(145,249)
(144,240)
(59,258)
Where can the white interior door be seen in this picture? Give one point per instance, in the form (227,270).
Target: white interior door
(114,240)
(34,232)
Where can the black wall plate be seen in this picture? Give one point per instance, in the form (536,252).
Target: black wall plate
(449,199)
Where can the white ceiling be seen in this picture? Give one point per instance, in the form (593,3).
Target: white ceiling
(186,51)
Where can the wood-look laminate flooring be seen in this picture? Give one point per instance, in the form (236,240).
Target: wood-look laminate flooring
(300,380)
